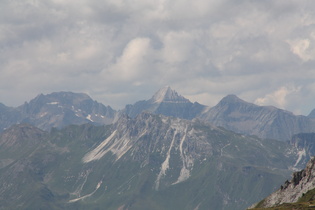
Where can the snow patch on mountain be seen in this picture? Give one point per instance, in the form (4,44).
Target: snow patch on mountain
(53,103)
(89,118)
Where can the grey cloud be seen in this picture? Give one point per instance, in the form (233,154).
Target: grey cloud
(123,51)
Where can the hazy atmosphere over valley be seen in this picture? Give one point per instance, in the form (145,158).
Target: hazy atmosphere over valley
(120,51)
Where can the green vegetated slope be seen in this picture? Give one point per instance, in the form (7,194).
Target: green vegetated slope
(151,162)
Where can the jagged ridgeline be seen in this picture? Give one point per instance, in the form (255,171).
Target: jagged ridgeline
(147,162)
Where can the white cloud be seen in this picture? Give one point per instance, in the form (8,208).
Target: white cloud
(177,46)
(278,97)
(133,61)
(302,48)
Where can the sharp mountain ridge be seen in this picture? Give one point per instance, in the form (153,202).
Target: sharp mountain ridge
(167,102)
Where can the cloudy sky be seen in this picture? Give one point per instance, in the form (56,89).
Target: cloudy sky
(122,51)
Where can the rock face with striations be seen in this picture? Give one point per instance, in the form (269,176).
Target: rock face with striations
(263,121)
(166,102)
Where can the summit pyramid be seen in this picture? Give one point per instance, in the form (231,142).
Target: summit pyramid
(168,102)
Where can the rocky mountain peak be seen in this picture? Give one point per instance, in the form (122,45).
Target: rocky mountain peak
(166,102)
(166,94)
(231,99)
(61,98)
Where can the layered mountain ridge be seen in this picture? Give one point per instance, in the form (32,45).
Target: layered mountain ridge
(57,110)
(65,108)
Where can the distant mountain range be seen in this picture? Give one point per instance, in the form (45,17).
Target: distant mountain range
(66,151)
(66,108)
(231,113)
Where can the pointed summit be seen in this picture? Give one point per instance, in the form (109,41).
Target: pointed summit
(166,102)
(166,94)
(231,99)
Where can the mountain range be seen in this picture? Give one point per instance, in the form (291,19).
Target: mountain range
(66,151)
(66,108)
(231,113)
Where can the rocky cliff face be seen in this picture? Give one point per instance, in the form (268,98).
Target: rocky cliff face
(291,191)
(170,138)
